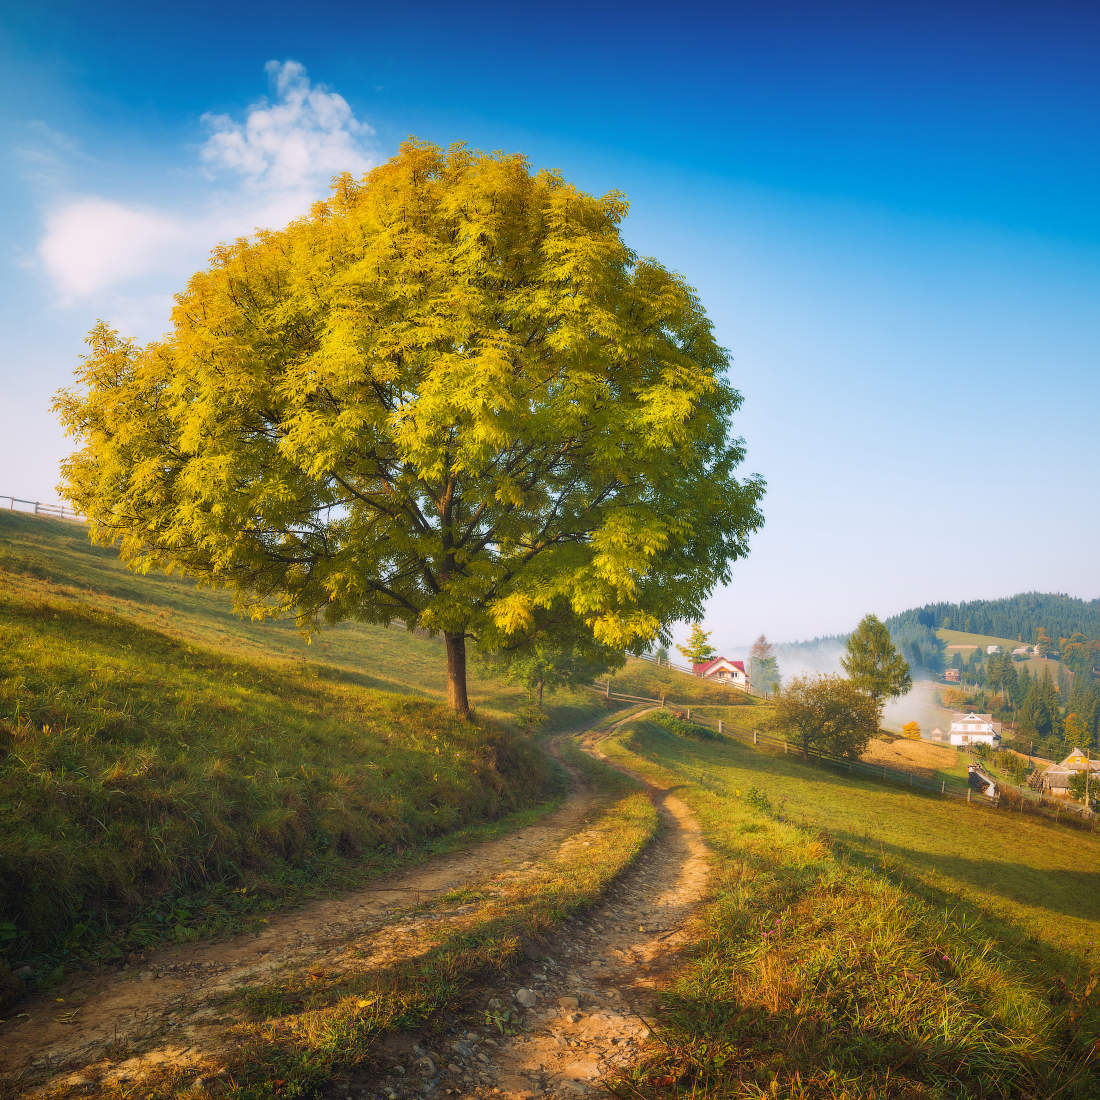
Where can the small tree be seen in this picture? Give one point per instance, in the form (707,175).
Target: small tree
(873,664)
(1082,785)
(911,730)
(698,649)
(829,713)
(554,658)
(764,668)
(449,396)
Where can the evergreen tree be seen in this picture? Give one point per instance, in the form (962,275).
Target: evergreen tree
(873,664)
(764,667)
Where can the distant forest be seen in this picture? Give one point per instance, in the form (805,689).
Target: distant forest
(1021,616)
(1012,617)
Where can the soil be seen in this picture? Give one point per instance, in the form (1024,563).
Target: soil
(584,1010)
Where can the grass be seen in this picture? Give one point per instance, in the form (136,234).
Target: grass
(870,942)
(961,637)
(640,677)
(316,1031)
(167,770)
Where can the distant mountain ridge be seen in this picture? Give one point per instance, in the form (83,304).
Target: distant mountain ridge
(1019,616)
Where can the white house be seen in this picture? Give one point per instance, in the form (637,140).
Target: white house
(724,671)
(973,729)
(991,649)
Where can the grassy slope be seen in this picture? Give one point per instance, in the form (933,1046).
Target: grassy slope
(645,678)
(1036,666)
(865,941)
(158,756)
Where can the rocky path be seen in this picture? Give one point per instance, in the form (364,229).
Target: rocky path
(590,998)
(582,1011)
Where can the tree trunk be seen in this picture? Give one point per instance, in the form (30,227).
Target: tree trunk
(456,674)
(540,693)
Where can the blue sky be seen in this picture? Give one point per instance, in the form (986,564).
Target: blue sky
(890,211)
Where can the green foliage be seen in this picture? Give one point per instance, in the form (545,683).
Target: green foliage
(681,727)
(763,667)
(827,713)
(450,396)
(873,664)
(698,649)
(1081,783)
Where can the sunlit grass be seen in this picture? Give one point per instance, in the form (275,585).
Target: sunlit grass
(167,770)
(866,941)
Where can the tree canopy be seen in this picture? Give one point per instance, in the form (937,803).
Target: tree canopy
(873,664)
(450,396)
(828,713)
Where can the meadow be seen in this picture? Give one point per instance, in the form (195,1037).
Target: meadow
(169,771)
(869,941)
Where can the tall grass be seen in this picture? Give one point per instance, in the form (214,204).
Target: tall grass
(165,768)
(828,967)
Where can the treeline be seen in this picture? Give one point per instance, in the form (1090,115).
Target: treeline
(1021,616)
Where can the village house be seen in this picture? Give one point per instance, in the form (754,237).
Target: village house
(723,671)
(1056,778)
(973,729)
(951,675)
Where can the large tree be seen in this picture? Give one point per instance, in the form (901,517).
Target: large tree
(873,664)
(828,713)
(449,396)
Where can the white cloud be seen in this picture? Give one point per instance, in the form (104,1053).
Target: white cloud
(92,243)
(302,139)
(260,171)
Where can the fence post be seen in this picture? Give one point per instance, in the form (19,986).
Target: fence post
(756,737)
(689,714)
(662,699)
(785,746)
(36,507)
(910,779)
(968,792)
(607,690)
(943,786)
(719,727)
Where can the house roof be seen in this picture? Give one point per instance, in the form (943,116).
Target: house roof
(707,667)
(1076,752)
(970,716)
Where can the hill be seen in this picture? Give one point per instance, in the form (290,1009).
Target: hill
(167,769)
(870,941)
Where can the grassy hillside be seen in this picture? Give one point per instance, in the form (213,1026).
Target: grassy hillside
(640,677)
(961,638)
(165,767)
(867,941)
(1036,666)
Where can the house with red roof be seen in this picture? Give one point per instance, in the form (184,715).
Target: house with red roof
(723,671)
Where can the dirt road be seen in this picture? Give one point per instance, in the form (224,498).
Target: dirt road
(583,1012)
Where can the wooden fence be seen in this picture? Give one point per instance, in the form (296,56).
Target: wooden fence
(38,508)
(947,787)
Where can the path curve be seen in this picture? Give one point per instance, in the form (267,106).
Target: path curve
(74,1025)
(595,990)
